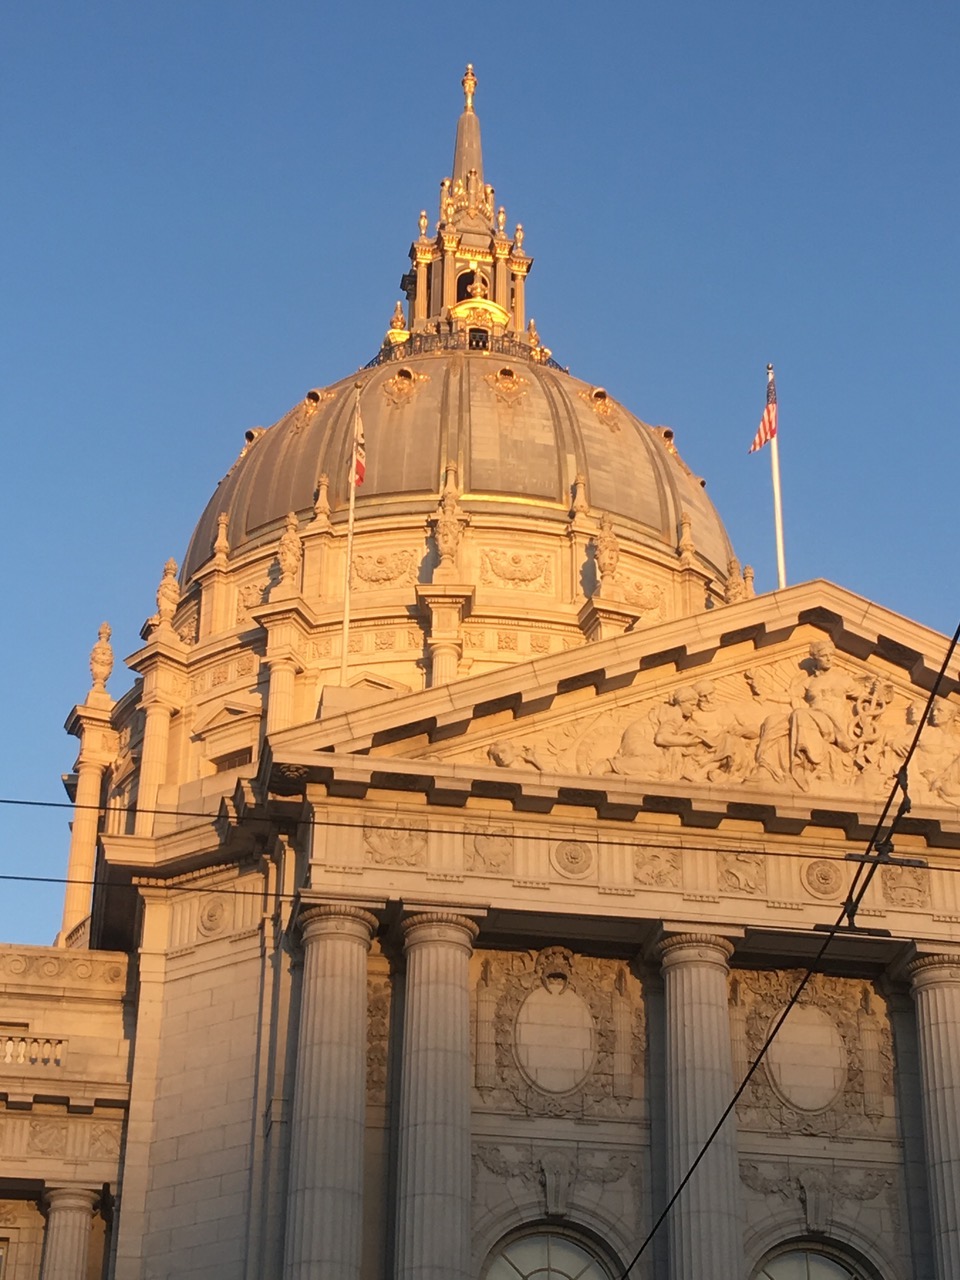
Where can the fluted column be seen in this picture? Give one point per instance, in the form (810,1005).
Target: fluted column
(66,1240)
(433,1220)
(325,1197)
(936,990)
(283,672)
(706,1231)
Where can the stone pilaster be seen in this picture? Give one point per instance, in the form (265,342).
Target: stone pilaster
(433,1219)
(66,1240)
(325,1196)
(706,1231)
(936,991)
(444,607)
(98,746)
(153,765)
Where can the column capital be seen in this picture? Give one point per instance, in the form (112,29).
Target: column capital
(439,926)
(337,920)
(695,948)
(82,1199)
(934,971)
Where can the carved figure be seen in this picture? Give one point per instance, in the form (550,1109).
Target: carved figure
(936,761)
(730,730)
(168,593)
(101,658)
(290,550)
(684,744)
(735,588)
(829,729)
(607,553)
(512,755)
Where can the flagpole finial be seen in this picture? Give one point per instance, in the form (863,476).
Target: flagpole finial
(769,368)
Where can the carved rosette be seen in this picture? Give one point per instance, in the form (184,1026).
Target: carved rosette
(568,1035)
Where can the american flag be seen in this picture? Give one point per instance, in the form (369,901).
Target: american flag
(359,449)
(768,423)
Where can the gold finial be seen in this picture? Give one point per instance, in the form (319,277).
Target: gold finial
(469,83)
(501,220)
(396,320)
(423,223)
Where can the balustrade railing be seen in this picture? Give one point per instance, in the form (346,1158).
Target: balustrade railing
(31,1051)
(428,343)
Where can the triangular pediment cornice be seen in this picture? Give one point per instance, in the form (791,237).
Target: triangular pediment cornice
(791,710)
(687,645)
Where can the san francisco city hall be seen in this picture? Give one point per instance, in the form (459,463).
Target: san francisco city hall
(438,958)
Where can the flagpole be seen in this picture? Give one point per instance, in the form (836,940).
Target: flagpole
(778,512)
(345,632)
(777,501)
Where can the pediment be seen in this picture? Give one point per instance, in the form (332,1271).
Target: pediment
(229,712)
(810,695)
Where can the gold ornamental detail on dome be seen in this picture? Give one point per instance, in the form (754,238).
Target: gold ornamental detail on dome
(398,331)
(508,386)
(606,409)
(482,312)
(403,386)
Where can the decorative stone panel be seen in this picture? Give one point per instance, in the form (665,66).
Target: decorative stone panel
(558,1034)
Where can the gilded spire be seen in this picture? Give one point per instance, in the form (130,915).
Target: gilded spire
(469,83)
(467,154)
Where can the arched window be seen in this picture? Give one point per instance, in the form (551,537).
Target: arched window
(796,1262)
(545,1255)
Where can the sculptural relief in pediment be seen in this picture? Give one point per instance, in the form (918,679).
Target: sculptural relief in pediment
(797,724)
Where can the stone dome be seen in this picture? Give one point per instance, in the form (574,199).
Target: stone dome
(507,510)
(527,439)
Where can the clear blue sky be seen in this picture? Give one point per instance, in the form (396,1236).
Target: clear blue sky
(206,212)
